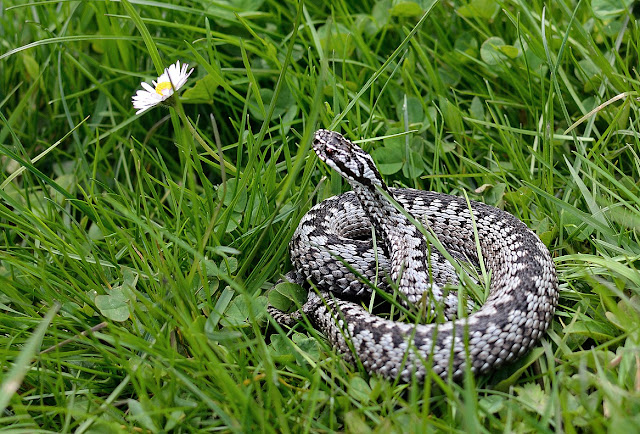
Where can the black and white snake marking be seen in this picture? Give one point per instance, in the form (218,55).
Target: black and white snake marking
(523,288)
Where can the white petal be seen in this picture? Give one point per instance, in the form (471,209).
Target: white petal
(168,94)
(148,88)
(164,77)
(143,109)
(176,74)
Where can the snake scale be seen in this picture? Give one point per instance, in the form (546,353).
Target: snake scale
(333,244)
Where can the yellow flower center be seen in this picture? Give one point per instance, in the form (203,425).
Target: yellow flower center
(162,87)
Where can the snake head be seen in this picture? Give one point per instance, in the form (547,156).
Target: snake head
(346,158)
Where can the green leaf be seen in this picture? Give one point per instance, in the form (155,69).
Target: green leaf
(492,403)
(627,316)
(230,193)
(547,237)
(222,336)
(220,307)
(95,233)
(229,265)
(494,194)
(286,296)
(354,422)
(415,166)
(380,12)
(242,5)
(359,389)
(522,197)
(608,9)
(280,301)
(510,51)
(173,419)
(336,38)
(491,52)
(233,223)
(589,74)
(307,345)
(202,91)
(390,157)
(284,103)
(413,109)
(113,305)
(129,278)
(279,344)
(239,310)
(625,424)
(476,110)
(468,44)
(138,413)
(452,117)
(212,268)
(237,313)
(449,76)
(598,331)
(31,66)
(533,395)
(479,9)
(406,9)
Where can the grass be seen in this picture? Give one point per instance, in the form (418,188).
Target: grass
(134,265)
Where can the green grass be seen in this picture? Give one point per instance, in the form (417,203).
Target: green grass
(134,266)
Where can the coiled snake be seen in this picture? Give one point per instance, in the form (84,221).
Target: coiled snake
(333,240)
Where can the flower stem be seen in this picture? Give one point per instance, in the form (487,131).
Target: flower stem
(219,157)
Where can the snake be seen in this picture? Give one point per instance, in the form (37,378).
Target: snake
(347,245)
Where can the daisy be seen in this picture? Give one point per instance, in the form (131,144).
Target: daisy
(172,79)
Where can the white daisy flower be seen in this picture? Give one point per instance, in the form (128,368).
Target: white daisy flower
(172,79)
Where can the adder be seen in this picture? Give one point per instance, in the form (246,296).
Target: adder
(333,249)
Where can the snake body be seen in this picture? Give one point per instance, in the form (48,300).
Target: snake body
(333,245)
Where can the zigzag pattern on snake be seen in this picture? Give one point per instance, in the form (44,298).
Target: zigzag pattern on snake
(523,289)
